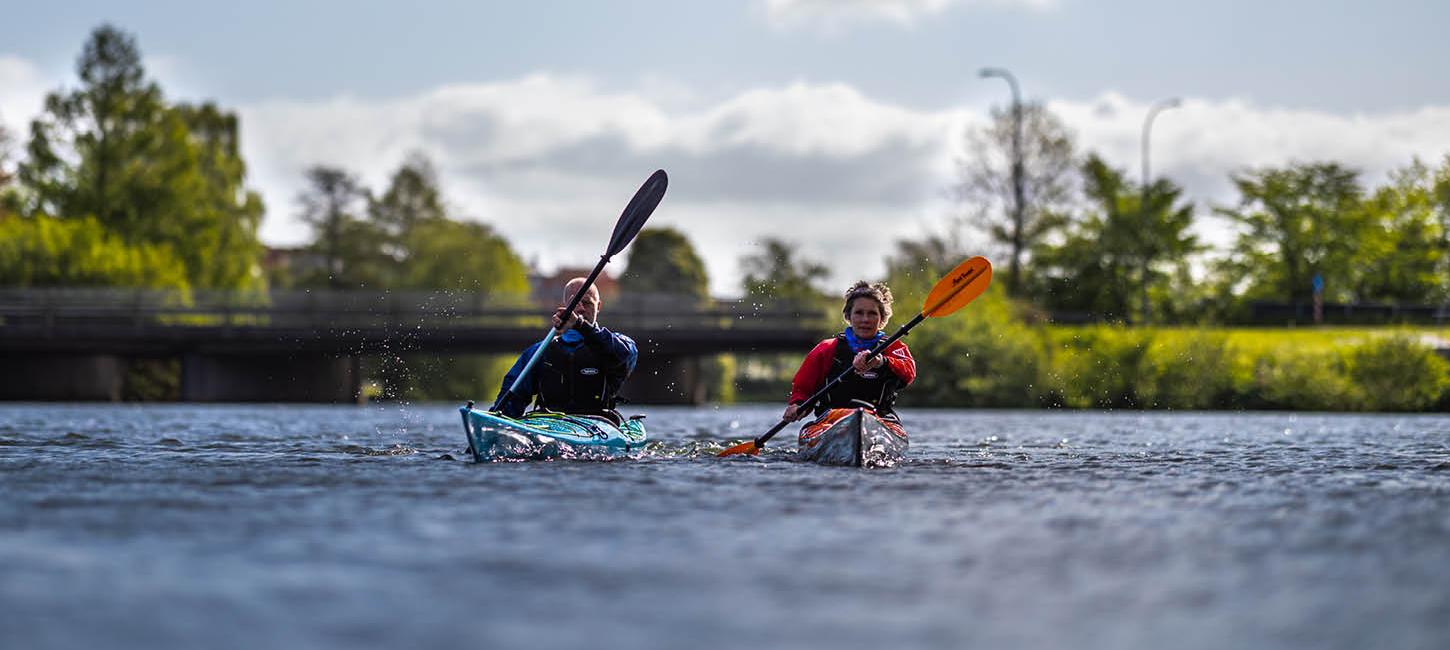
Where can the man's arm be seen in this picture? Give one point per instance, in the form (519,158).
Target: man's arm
(611,345)
(516,405)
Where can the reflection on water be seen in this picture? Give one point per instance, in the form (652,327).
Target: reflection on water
(244,526)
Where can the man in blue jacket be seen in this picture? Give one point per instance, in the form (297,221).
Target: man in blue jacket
(580,372)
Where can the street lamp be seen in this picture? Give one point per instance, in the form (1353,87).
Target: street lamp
(1017,191)
(1160,106)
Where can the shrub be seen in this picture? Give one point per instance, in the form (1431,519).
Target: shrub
(1312,380)
(1187,371)
(982,355)
(1101,367)
(1398,374)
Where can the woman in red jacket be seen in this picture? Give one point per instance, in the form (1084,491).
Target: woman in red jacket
(875,381)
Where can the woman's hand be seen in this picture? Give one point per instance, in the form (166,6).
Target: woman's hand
(865,361)
(792,413)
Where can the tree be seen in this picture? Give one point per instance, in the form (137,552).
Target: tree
(8,198)
(152,173)
(224,250)
(1402,256)
(985,181)
(1130,244)
(775,273)
(1298,222)
(984,357)
(917,264)
(1440,202)
(333,205)
(42,251)
(412,197)
(5,144)
(446,254)
(662,260)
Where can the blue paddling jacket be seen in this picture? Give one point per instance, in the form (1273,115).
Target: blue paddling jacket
(580,372)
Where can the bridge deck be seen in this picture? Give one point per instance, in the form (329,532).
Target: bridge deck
(148,322)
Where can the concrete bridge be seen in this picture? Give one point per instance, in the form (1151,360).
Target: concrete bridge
(305,346)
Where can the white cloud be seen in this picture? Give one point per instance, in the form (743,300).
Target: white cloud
(544,155)
(833,15)
(1200,144)
(22,94)
(551,160)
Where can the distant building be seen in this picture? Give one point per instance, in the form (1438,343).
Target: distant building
(549,289)
(284,267)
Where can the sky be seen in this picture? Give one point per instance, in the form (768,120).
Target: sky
(833,124)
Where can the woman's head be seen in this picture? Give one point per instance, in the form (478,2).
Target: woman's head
(867,308)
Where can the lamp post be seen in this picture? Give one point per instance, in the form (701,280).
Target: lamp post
(1158,107)
(1162,105)
(1018,226)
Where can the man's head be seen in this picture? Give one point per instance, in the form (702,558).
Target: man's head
(588,305)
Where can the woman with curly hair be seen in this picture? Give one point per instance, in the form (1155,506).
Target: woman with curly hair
(875,380)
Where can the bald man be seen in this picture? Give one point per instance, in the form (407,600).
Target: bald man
(581,371)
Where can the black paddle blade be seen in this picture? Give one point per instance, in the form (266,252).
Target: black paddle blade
(638,211)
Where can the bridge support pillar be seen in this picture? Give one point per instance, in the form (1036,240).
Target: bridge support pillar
(274,378)
(667,379)
(73,377)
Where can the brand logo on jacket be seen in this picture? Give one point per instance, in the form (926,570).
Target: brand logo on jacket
(589,371)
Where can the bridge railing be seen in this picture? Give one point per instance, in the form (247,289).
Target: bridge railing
(51,309)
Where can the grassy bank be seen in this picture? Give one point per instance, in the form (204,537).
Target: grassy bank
(1329,369)
(988,356)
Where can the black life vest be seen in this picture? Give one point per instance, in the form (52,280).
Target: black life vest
(877,386)
(576,379)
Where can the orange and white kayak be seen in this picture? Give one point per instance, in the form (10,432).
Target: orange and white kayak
(853,437)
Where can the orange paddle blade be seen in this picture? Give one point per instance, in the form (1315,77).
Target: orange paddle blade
(958,288)
(747,447)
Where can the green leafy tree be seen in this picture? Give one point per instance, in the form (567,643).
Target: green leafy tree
(1440,202)
(42,251)
(413,196)
(985,355)
(225,248)
(1131,245)
(662,260)
(1297,222)
(152,173)
(1402,256)
(446,254)
(985,187)
(775,273)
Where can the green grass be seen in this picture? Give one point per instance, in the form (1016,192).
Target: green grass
(1256,341)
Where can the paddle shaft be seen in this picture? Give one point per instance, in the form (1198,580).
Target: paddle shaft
(549,338)
(811,401)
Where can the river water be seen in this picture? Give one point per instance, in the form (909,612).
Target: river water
(179,526)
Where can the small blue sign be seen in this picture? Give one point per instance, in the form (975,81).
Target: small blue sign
(1318,283)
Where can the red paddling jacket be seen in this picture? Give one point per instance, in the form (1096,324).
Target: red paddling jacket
(878,386)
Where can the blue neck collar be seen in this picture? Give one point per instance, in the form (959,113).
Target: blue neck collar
(860,345)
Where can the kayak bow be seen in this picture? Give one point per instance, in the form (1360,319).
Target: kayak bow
(853,437)
(542,434)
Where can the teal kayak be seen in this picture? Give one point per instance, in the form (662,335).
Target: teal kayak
(542,435)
